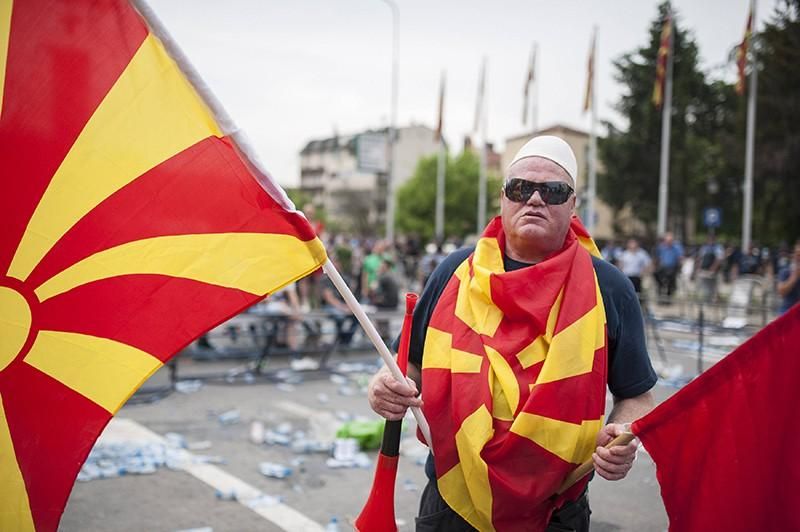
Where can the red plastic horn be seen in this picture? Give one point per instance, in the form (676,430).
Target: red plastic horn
(378,512)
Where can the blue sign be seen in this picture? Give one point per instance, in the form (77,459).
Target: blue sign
(712,217)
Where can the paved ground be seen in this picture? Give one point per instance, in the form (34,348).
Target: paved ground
(174,500)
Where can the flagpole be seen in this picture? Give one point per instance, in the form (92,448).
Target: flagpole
(351,301)
(666,126)
(750,142)
(590,204)
(482,170)
(440,168)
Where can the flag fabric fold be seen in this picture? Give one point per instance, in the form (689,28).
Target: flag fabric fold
(133,222)
(725,446)
(661,61)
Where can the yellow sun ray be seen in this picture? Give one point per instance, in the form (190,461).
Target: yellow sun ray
(5,33)
(150,114)
(15,510)
(246,261)
(104,371)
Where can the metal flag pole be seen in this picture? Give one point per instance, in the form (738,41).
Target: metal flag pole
(590,204)
(666,126)
(331,271)
(747,218)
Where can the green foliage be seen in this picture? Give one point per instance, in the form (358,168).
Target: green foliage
(416,199)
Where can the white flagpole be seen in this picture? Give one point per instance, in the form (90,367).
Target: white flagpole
(666,127)
(747,217)
(482,172)
(590,204)
(331,271)
(440,168)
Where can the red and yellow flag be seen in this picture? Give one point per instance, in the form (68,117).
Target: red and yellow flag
(661,62)
(741,54)
(514,372)
(131,223)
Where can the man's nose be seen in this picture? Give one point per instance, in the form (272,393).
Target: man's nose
(536,199)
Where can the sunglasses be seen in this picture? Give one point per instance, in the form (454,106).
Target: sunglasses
(551,192)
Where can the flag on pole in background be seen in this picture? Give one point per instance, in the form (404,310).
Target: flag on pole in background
(528,84)
(132,223)
(661,62)
(741,54)
(587,98)
(725,445)
(440,120)
(479,104)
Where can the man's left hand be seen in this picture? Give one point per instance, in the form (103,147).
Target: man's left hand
(615,462)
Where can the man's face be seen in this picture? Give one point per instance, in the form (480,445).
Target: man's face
(534,223)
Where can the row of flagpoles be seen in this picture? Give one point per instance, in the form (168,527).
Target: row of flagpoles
(661,98)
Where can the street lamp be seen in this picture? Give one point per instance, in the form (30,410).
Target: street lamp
(390,201)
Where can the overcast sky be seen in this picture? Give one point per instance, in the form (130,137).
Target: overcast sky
(295,70)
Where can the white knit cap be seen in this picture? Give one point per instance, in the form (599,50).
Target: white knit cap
(552,148)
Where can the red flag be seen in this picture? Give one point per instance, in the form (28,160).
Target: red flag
(741,54)
(661,62)
(725,446)
(132,223)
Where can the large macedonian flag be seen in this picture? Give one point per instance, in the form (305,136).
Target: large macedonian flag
(131,223)
(514,378)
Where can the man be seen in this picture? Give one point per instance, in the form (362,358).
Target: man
(668,256)
(789,281)
(509,347)
(634,262)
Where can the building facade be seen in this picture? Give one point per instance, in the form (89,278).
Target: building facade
(346,175)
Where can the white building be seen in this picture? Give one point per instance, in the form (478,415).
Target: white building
(346,174)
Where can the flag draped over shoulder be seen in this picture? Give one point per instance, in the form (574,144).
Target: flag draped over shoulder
(741,54)
(514,367)
(131,223)
(661,62)
(725,446)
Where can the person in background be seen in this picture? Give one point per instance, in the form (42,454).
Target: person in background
(634,263)
(669,254)
(789,281)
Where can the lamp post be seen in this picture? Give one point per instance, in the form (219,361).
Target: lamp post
(390,200)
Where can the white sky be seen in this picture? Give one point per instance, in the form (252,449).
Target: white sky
(291,71)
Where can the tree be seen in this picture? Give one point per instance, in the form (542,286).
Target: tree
(416,199)
(632,157)
(776,176)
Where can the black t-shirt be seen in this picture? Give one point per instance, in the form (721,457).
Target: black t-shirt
(629,370)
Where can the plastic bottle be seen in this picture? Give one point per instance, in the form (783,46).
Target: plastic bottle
(333,525)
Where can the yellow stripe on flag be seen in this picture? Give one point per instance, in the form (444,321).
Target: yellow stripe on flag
(15,509)
(104,371)
(504,386)
(149,115)
(439,354)
(257,263)
(472,500)
(576,345)
(571,442)
(5,33)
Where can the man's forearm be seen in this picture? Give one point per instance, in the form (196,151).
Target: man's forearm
(631,409)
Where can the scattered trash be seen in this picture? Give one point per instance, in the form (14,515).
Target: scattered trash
(273,470)
(199,445)
(257,432)
(229,418)
(188,386)
(368,433)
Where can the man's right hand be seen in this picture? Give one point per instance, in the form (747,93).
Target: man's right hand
(390,398)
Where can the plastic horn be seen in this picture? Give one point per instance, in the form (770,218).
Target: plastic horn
(378,512)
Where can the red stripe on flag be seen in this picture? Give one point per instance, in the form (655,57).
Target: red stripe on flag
(53,429)
(204,189)
(155,313)
(725,446)
(55,79)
